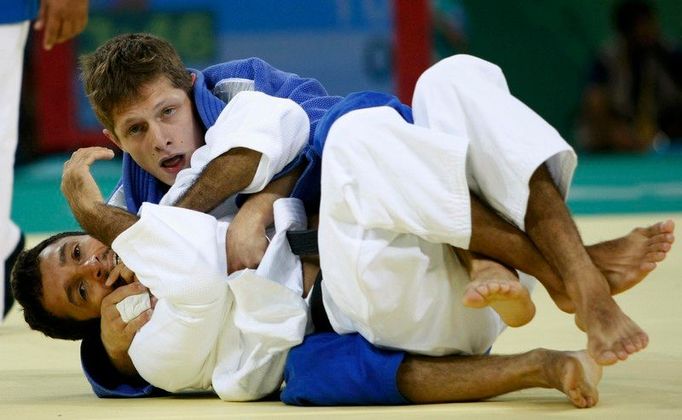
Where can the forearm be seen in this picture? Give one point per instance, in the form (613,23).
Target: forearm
(224,176)
(103,221)
(259,205)
(246,237)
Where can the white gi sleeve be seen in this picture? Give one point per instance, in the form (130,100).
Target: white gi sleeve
(270,320)
(277,128)
(176,254)
(207,329)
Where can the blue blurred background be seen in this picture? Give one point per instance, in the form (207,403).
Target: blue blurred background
(545,48)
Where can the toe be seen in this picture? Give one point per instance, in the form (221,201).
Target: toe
(647,266)
(655,256)
(644,339)
(606,357)
(668,226)
(629,346)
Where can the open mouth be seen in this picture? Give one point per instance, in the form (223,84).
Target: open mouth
(173,162)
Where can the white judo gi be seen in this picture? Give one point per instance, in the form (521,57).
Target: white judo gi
(395,196)
(210,330)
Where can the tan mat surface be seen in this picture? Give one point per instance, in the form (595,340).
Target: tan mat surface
(41,378)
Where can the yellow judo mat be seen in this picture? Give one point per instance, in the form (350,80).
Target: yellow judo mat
(40,378)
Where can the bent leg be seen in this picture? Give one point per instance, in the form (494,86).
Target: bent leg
(612,335)
(508,143)
(385,222)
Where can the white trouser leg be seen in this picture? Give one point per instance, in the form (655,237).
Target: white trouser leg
(12,43)
(468,97)
(394,196)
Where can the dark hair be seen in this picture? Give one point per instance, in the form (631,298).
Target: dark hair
(115,72)
(27,287)
(627,13)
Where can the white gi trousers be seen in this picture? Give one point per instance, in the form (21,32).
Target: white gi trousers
(12,43)
(395,198)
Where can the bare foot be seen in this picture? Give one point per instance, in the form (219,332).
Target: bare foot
(497,287)
(611,335)
(575,374)
(628,260)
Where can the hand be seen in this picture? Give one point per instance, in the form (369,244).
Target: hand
(78,185)
(120,272)
(61,19)
(246,242)
(117,335)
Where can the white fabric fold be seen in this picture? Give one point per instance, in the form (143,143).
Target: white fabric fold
(208,330)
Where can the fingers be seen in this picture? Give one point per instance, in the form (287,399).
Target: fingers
(120,272)
(116,334)
(61,20)
(134,325)
(88,155)
(42,14)
(121,293)
(244,250)
(53,26)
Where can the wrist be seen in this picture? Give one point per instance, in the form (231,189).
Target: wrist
(122,362)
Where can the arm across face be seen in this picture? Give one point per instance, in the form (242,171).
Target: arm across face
(100,220)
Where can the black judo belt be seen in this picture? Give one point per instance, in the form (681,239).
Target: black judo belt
(304,243)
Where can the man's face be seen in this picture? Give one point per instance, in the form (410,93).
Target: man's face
(160,130)
(74,269)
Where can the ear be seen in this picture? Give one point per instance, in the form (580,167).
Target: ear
(112,137)
(194,78)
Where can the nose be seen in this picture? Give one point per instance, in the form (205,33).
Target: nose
(94,267)
(160,138)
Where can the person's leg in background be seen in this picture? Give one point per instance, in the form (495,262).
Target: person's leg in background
(12,42)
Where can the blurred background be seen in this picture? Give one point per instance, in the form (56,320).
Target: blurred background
(608,79)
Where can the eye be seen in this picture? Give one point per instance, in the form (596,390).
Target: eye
(77,252)
(134,129)
(169,111)
(82,291)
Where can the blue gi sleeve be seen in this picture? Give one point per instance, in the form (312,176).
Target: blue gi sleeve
(332,369)
(307,92)
(105,380)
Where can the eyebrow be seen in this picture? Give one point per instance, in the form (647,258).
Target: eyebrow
(62,254)
(163,103)
(70,294)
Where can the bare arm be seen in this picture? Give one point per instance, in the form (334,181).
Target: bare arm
(246,240)
(224,176)
(105,223)
(100,220)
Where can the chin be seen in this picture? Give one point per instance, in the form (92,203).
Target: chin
(167,179)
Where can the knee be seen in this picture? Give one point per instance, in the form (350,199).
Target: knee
(458,71)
